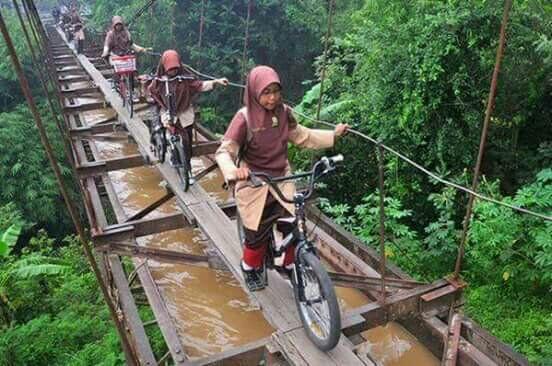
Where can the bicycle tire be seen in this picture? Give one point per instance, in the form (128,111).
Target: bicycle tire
(160,145)
(121,89)
(183,168)
(241,230)
(327,292)
(129,94)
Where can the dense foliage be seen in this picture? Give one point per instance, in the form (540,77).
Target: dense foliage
(416,75)
(413,74)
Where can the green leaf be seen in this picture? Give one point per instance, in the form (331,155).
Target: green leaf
(3,249)
(9,239)
(34,270)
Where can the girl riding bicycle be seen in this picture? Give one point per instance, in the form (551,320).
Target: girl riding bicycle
(257,140)
(171,66)
(118,40)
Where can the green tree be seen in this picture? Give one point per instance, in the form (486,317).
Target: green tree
(27,180)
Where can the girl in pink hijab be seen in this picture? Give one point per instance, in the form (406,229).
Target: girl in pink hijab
(170,66)
(259,133)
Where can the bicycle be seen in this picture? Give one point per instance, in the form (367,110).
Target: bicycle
(176,143)
(125,67)
(313,290)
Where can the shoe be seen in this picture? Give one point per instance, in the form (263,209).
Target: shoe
(254,279)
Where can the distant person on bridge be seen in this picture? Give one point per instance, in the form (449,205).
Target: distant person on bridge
(78,29)
(257,140)
(55,14)
(171,66)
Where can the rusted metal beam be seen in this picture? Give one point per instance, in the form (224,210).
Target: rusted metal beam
(403,304)
(206,171)
(450,353)
(205,148)
(128,306)
(128,231)
(205,132)
(104,166)
(153,206)
(350,280)
(152,253)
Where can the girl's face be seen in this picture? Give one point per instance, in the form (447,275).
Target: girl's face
(118,27)
(271,96)
(172,72)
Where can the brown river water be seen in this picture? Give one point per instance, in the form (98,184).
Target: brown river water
(211,311)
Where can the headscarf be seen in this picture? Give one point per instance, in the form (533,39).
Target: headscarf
(119,41)
(264,147)
(183,90)
(259,79)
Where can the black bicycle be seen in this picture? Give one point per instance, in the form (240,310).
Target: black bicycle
(314,292)
(175,142)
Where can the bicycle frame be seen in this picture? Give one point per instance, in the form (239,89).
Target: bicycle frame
(299,236)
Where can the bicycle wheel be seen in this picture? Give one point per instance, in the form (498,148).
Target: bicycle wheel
(318,307)
(182,167)
(159,144)
(241,230)
(121,89)
(129,79)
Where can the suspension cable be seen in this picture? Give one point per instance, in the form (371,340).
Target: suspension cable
(325,56)
(245,44)
(139,12)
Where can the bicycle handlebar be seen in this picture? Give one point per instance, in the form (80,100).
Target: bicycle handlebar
(328,165)
(167,79)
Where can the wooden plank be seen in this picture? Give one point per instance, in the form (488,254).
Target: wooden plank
(241,351)
(73,79)
(97,128)
(104,166)
(80,92)
(78,108)
(70,71)
(143,349)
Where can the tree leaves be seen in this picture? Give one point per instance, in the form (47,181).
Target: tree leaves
(9,238)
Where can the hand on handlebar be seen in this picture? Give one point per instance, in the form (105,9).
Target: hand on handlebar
(242,173)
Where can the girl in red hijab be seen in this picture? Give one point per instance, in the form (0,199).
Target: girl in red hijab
(261,131)
(170,65)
